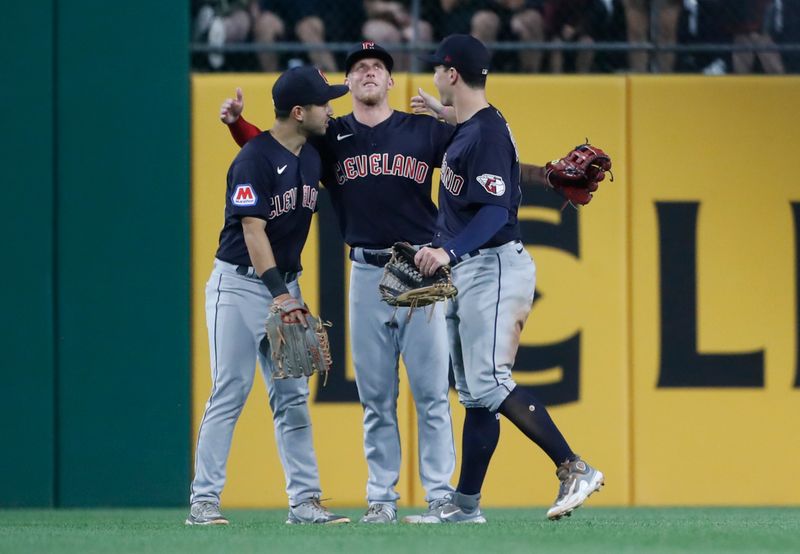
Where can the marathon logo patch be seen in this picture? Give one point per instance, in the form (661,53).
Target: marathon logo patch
(244,195)
(493,184)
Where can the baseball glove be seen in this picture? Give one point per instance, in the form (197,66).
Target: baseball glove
(577,175)
(296,351)
(403,285)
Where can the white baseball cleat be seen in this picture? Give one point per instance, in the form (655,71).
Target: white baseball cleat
(313,512)
(444,511)
(578,481)
(205,513)
(380,513)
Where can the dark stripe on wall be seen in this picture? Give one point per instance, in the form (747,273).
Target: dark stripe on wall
(54,258)
(27,205)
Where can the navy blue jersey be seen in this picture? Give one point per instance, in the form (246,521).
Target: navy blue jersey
(480,166)
(269,182)
(379,177)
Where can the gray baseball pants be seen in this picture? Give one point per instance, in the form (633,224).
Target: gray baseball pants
(236,308)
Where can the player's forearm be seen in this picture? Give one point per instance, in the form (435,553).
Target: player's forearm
(533,175)
(261,256)
(448,115)
(242,131)
(480,230)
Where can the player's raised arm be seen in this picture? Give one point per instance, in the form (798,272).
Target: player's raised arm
(531,174)
(232,108)
(424,103)
(230,113)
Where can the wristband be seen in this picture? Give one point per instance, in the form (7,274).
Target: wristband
(274,281)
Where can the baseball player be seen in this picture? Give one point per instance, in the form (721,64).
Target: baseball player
(270,199)
(478,235)
(377,169)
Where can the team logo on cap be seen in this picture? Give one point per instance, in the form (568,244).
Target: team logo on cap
(367,45)
(244,195)
(324,78)
(493,184)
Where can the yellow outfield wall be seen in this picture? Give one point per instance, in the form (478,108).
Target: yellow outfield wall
(670,419)
(712,186)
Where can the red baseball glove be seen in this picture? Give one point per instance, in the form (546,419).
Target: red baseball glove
(578,174)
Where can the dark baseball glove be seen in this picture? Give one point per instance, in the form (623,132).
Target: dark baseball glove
(296,351)
(578,174)
(403,285)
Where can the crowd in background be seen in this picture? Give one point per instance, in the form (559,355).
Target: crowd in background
(315,23)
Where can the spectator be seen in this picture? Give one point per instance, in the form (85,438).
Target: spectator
(276,20)
(573,21)
(742,22)
(496,20)
(700,25)
(219,23)
(786,24)
(609,26)
(391,23)
(745,21)
(664,30)
(524,22)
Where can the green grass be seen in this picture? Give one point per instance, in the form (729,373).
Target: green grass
(691,530)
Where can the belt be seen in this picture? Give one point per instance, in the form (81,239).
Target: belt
(250,271)
(479,251)
(376,258)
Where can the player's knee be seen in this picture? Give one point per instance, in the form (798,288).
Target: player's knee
(431,400)
(380,406)
(227,402)
(296,417)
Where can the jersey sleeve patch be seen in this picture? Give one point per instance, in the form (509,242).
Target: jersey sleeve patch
(493,184)
(244,195)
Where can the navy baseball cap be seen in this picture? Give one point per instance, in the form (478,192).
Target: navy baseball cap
(464,52)
(301,86)
(368,49)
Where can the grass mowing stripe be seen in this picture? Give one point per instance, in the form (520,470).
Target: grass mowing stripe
(590,530)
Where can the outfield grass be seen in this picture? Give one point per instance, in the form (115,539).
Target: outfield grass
(693,530)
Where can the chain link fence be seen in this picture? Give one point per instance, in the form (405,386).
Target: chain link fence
(525,36)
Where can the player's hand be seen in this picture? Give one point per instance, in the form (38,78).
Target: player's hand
(232,108)
(293,310)
(428,260)
(424,103)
